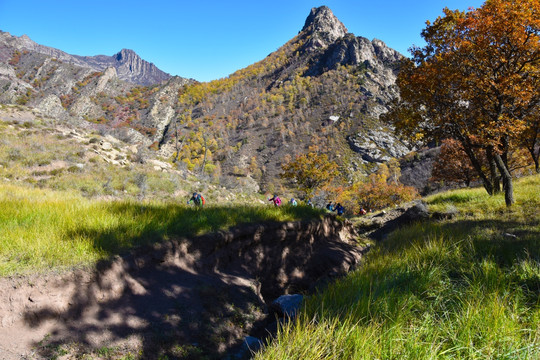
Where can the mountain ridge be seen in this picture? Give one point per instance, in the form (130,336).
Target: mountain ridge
(130,66)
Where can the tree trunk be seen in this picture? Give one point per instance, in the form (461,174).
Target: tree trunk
(507,180)
(495,180)
(476,164)
(535,155)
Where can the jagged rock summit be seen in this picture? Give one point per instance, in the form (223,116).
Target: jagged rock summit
(324,27)
(130,67)
(330,44)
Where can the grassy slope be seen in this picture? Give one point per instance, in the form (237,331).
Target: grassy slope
(43,229)
(54,215)
(468,288)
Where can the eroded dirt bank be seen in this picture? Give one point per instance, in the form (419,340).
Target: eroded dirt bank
(186,298)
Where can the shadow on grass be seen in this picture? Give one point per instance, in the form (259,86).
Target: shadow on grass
(193,298)
(148,224)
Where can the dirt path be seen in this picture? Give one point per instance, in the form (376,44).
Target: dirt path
(182,299)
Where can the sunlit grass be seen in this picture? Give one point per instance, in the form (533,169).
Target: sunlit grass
(468,288)
(43,229)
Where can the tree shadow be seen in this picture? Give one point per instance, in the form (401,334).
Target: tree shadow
(151,224)
(165,309)
(191,298)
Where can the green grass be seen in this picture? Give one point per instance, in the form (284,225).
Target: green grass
(43,229)
(468,288)
(39,154)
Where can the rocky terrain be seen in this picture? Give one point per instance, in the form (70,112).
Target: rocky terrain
(39,151)
(324,89)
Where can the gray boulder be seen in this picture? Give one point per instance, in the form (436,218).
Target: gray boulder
(287,305)
(379,226)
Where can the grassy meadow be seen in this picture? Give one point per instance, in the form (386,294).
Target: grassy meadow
(43,229)
(466,288)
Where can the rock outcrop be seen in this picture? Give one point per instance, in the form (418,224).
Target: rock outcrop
(378,226)
(376,145)
(129,66)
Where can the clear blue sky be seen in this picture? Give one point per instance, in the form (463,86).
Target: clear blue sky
(207,40)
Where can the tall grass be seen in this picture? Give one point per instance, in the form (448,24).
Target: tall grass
(42,229)
(462,289)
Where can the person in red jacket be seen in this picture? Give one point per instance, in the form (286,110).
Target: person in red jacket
(276,200)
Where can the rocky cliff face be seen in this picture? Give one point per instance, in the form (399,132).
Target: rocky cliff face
(333,45)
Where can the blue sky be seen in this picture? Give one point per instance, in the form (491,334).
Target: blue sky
(207,40)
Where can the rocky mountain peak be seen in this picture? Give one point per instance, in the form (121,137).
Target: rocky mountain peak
(133,68)
(324,27)
(125,55)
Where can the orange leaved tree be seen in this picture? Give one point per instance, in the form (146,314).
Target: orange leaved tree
(375,192)
(477,80)
(453,165)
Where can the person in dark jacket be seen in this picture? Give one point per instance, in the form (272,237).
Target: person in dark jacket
(197,199)
(330,206)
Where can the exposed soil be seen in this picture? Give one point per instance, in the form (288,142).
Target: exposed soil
(184,299)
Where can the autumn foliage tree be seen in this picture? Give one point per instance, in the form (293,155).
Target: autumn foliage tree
(377,191)
(453,165)
(531,138)
(310,171)
(477,80)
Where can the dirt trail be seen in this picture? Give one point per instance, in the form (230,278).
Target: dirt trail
(183,299)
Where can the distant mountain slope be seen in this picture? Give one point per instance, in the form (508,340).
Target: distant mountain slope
(129,66)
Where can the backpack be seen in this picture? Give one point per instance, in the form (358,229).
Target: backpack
(198,199)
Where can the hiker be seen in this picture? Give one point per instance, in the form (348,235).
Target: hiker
(330,206)
(362,211)
(309,203)
(339,209)
(293,202)
(197,199)
(276,200)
